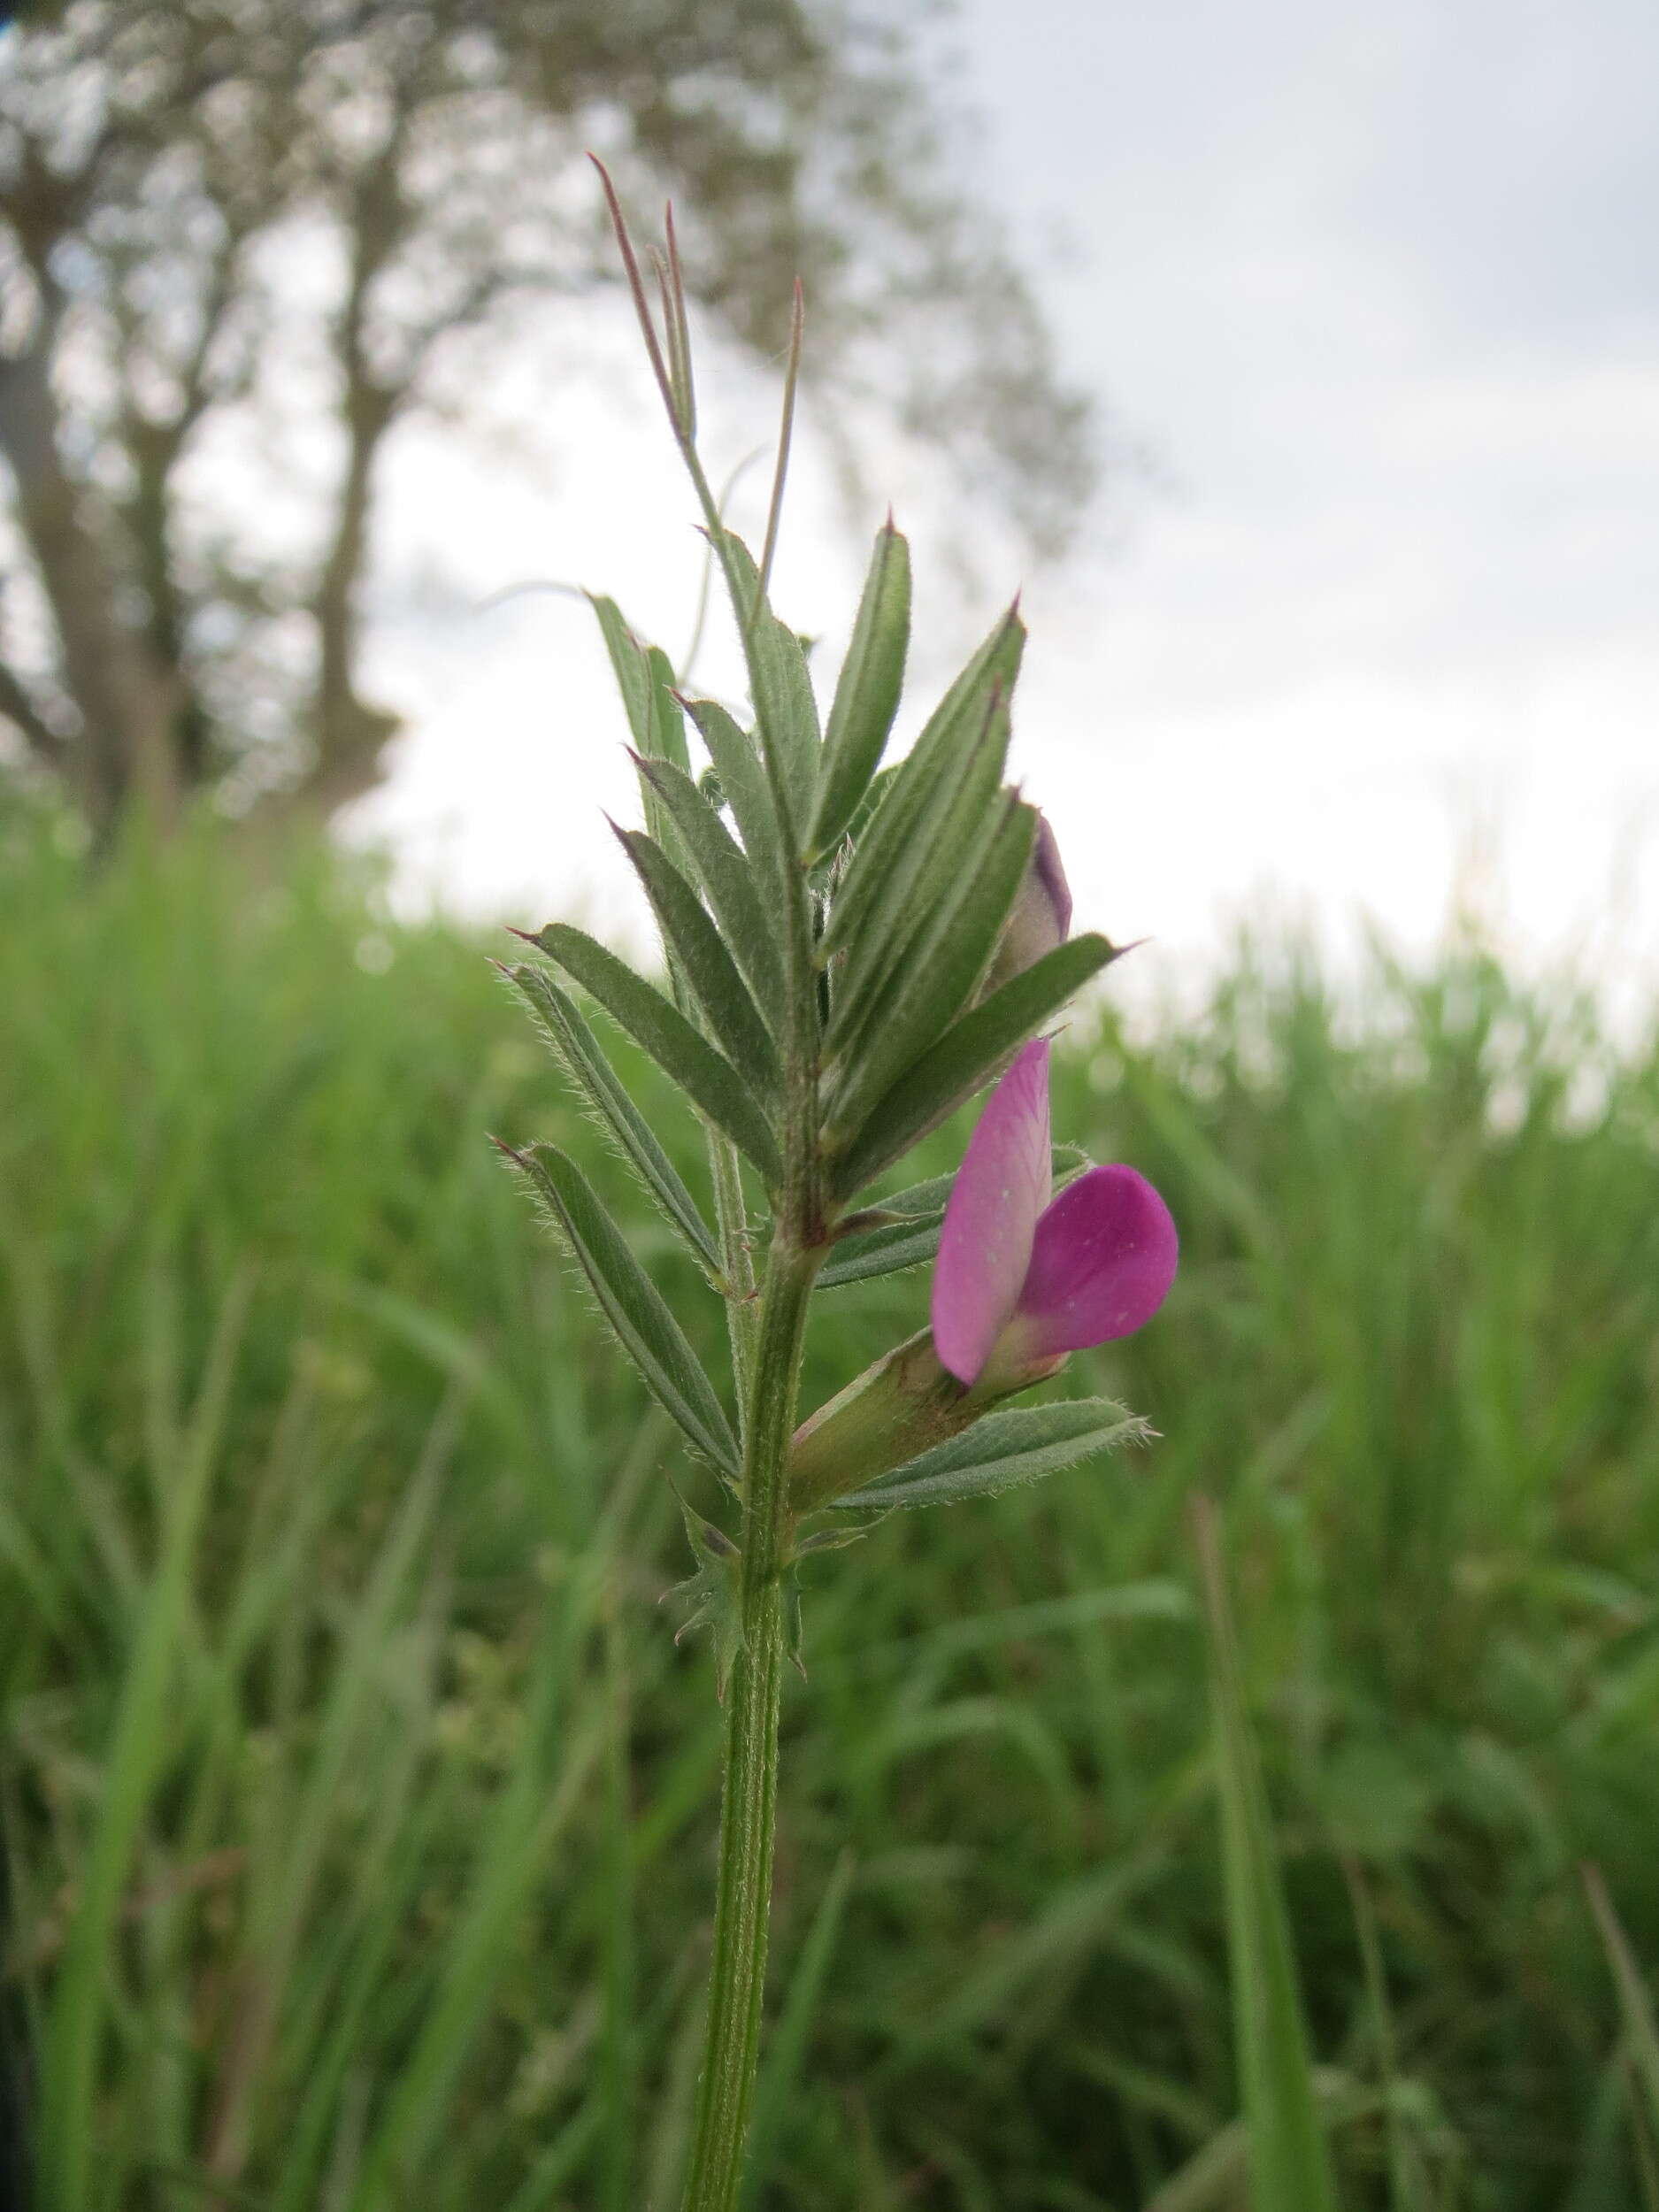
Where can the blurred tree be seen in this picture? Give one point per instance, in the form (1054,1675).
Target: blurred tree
(222,219)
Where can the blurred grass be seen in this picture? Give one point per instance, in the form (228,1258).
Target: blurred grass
(359,1807)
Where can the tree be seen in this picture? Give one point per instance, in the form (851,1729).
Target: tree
(207,205)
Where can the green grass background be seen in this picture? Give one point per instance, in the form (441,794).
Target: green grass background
(359,1809)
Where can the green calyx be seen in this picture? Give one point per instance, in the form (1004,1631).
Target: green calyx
(902,1406)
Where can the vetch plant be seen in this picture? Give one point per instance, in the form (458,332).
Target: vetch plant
(852,951)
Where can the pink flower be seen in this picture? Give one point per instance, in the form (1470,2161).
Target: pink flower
(1024,1277)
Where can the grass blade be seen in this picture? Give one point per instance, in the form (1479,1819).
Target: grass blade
(1290,2169)
(514,1852)
(781,2071)
(1404,2193)
(138,1750)
(1641,2032)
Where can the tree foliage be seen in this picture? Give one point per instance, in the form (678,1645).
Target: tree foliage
(231,230)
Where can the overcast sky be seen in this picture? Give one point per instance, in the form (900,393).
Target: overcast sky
(1378,292)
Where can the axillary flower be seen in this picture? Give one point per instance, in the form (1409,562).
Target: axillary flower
(1024,1277)
(1023,1280)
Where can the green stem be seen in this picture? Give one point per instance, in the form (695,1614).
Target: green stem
(766,1353)
(748,1798)
(737,1263)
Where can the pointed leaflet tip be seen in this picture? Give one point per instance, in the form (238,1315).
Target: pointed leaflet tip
(991,1217)
(636,285)
(508,1152)
(525,936)
(786,432)
(683,323)
(676,343)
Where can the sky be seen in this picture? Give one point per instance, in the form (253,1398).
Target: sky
(1369,625)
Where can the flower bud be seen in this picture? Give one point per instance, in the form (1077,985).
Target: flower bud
(1042,915)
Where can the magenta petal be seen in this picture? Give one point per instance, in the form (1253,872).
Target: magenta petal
(995,1206)
(1101,1262)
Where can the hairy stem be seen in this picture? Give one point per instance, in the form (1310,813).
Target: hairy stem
(737,1264)
(766,1353)
(749,1800)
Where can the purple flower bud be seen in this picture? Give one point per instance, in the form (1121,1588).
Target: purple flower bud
(1021,1281)
(1042,915)
(1051,877)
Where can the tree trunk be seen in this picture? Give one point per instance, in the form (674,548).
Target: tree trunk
(123,755)
(350,735)
(154,449)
